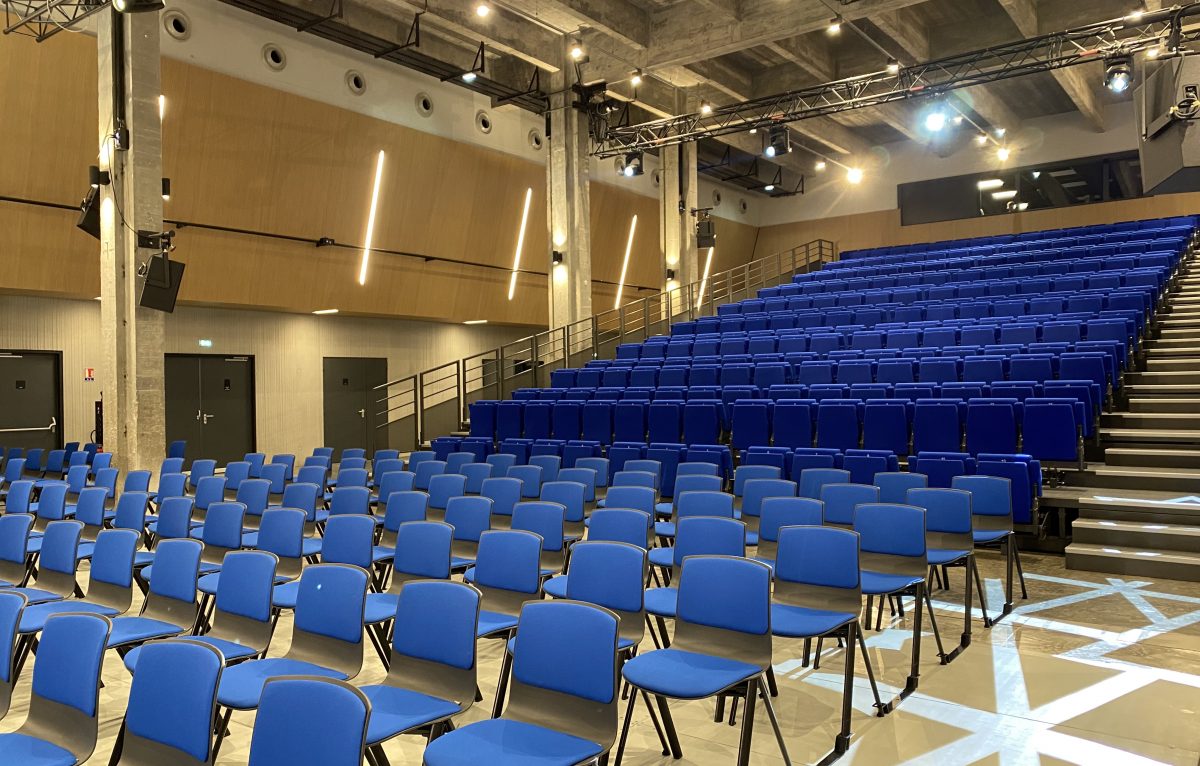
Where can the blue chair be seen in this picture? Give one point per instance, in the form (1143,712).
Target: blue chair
(564,661)
(172,706)
(893,537)
(992,525)
(818,594)
(201,469)
(426,470)
(433,665)
(327,639)
(349,539)
(813,479)
(530,477)
(57,564)
(639,498)
(421,551)
(282,534)
(62,725)
(951,543)
(547,521)
(697,536)
(14,549)
(400,508)
(504,493)
(623,525)
(310,721)
(170,608)
(209,491)
(572,496)
(753,494)
(784,511)
(840,500)
(722,644)
(222,532)
(507,573)
(444,487)
(11,605)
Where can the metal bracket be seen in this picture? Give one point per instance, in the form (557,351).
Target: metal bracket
(335,12)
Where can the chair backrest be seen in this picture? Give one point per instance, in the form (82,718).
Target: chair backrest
(422,551)
(757,490)
(14,547)
(201,469)
(349,539)
(309,721)
(812,479)
(111,576)
(173,704)
(223,528)
(745,473)
(211,489)
(66,681)
(504,492)
(137,481)
(891,538)
(947,517)
(172,596)
(328,628)
(402,507)
(724,608)
(11,604)
(434,647)
(131,510)
(611,575)
(817,567)
(991,501)
(780,512)
(569,494)
(565,665)
(282,533)
(303,497)
(275,474)
(171,485)
(704,503)
(620,525)
(637,498)
(350,500)
(352,477)
(313,474)
(841,499)
(243,605)
(707,536)
(89,508)
(894,485)
(546,520)
(445,486)
(59,558)
(174,518)
(507,569)
(52,504)
(20,495)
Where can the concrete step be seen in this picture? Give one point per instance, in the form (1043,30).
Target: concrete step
(1110,477)
(1191,377)
(1173,364)
(1172,350)
(1183,389)
(1169,342)
(1135,534)
(1173,333)
(1150,437)
(1146,562)
(1177,404)
(1148,420)
(1152,458)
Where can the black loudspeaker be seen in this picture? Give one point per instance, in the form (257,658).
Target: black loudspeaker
(706,233)
(161,286)
(98,436)
(89,213)
(1168,141)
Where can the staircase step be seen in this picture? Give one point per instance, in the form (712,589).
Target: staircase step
(1171,349)
(1174,565)
(1183,389)
(1138,478)
(1172,364)
(1135,534)
(1191,377)
(1148,420)
(1168,342)
(1177,404)
(1147,436)
(1152,457)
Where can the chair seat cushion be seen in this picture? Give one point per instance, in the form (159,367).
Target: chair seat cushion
(143,558)
(556,587)
(241,685)
(205,569)
(284,595)
(209,583)
(35,596)
(132,630)
(310,546)
(31,751)
(662,602)
(664,529)
(229,650)
(395,710)
(500,742)
(664,509)
(686,675)
(383,553)
(880,583)
(380,607)
(33,618)
(494,622)
(460,563)
(800,622)
(939,556)
(662,557)
(982,536)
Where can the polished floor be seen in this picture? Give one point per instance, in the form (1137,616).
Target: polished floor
(1091,669)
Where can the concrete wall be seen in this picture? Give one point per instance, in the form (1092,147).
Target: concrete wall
(288,349)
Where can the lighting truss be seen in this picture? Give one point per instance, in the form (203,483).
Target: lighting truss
(1092,42)
(42,19)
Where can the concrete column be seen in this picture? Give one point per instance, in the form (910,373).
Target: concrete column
(568,201)
(677,199)
(132,374)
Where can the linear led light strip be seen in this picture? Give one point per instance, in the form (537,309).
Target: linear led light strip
(704,279)
(512,282)
(625,263)
(366,256)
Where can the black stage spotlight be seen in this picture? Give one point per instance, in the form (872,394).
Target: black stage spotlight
(779,141)
(633,165)
(98,177)
(706,233)
(89,213)
(138,6)
(1118,74)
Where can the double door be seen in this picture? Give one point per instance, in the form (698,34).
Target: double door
(210,404)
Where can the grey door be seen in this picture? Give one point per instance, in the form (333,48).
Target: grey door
(210,403)
(351,409)
(30,399)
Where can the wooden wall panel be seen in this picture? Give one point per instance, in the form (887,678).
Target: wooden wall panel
(880,228)
(245,156)
(735,245)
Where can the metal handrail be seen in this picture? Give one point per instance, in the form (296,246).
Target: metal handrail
(426,397)
(53,425)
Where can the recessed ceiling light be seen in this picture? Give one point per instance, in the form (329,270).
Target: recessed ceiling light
(854,175)
(475,321)
(990,183)
(325,311)
(1005,194)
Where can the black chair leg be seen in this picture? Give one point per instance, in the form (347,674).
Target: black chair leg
(862,645)
(747,723)
(770,706)
(118,746)
(987,621)
(772,687)
(669,726)
(502,684)
(662,738)
(625,728)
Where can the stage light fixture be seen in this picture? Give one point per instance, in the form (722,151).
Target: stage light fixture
(705,107)
(957,119)
(166,189)
(1152,53)
(1002,154)
(935,121)
(835,25)
(769,187)
(753,131)
(576,50)
(989,183)
(636,80)
(854,175)
(1004,194)
(98,177)
(981,139)
(138,6)
(633,165)
(469,76)
(1118,74)
(893,66)
(820,166)
(482,10)
(556,257)
(779,141)
(1000,132)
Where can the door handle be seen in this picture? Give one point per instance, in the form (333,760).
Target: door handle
(197,414)
(362,413)
(206,417)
